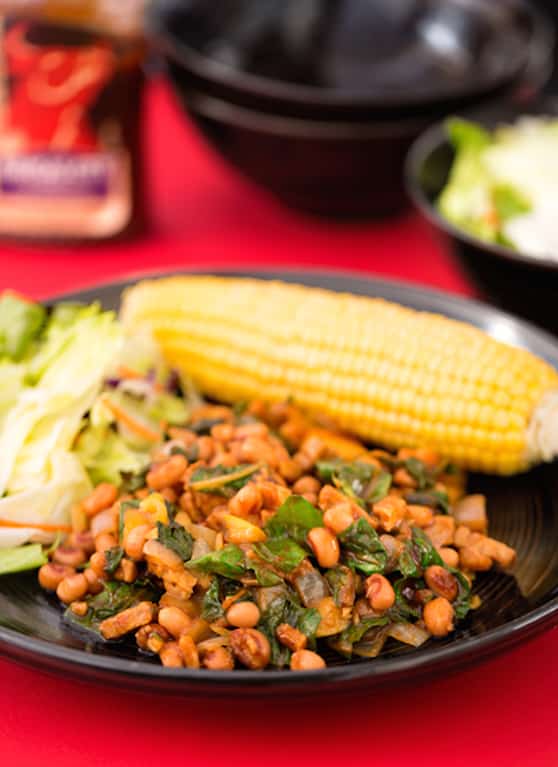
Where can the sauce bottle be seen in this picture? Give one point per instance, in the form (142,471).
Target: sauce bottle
(70,90)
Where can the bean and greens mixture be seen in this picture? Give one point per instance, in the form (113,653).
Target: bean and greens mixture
(258,538)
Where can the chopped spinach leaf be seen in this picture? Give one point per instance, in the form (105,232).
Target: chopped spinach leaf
(229,562)
(417,554)
(121,513)
(404,609)
(132,482)
(282,553)
(239,408)
(284,608)
(342,584)
(462,604)
(419,472)
(362,548)
(191,453)
(203,426)
(436,499)
(176,538)
(113,558)
(294,519)
(115,597)
(356,631)
(351,477)
(270,619)
(133,504)
(222,480)
(378,487)
(264,575)
(326,469)
(211,604)
(308,621)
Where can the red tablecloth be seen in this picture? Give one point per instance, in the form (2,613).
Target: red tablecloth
(501,713)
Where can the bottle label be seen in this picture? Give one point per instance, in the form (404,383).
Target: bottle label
(61,137)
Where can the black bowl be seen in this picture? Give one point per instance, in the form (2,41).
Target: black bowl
(339,170)
(354,59)
(523,512)
(524,284)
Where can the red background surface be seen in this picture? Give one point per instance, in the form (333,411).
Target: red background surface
(500,713)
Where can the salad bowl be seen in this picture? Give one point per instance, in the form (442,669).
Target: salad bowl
(513,280)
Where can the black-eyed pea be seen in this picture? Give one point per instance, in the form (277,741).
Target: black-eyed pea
(471,558)
(206,448)
(69,555)
(306,660)
(497,550)
(105,522)
(379,592)
(250,647)
(243,615)
(135,540)
(438,617)
(218,659)
(441,582)
(95,585)
(339,517)
(98,564)
(189,651)
(174,620)
(83,540)
(79,608)
(104,542)
(100,499)
(290,469)
(421,516)
(257,429)
(325,546)
(127,572)
(306,484)
(171,655)
(403,478)
(222,432)
(168,473)
(449,556)
(152,637)
(52,574)
(72,588)
(247,501)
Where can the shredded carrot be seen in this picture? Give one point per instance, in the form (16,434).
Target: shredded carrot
(131,423)
(127,373)
(35,526)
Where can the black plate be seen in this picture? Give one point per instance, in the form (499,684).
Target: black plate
(523,512)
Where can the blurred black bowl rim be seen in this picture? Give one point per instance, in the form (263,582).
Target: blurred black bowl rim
(435,138)
(542,42)
(297,127)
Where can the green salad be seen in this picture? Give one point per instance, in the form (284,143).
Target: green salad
(81,403)
(503,184)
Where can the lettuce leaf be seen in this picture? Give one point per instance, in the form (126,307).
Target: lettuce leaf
(39,475)
(20,323)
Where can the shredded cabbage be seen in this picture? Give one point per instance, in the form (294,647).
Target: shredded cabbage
(40,477)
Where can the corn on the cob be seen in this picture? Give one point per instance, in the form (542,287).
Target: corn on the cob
(391,375)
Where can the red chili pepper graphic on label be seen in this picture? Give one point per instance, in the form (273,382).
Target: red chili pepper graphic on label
(53,87)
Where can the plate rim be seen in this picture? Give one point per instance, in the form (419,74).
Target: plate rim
(41,653)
